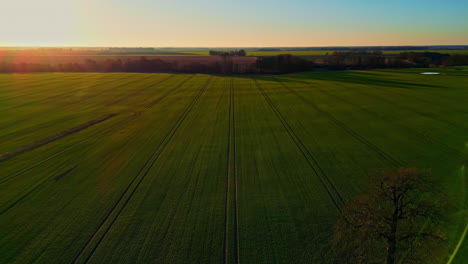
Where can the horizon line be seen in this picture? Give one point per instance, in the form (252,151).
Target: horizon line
(188,47)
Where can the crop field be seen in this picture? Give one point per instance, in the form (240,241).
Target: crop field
(179,168)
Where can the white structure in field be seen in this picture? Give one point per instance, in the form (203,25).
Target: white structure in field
(431,73)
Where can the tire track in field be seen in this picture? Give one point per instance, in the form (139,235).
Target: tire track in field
(327,184)
(37,83)
(231,177)
(88,97)
(159,99)
(93,137)
(12,202)
(416,133)
(399,164)
(53,138)
(65,93)
(33,129)
(410,109)
(95,240)
(133,117)
(111,89)
(22,81)
(432,101)
(29,130)
(44,91)
(366,142)
(137,92)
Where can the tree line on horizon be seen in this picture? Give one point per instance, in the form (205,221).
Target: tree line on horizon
(376,59)
(232,53)
(286,63)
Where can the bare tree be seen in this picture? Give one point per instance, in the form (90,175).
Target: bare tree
(399,218)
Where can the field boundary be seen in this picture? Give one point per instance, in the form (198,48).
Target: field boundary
(95,240)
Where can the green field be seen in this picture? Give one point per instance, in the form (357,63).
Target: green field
(176,168)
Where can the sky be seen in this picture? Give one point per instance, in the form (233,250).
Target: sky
(235,23)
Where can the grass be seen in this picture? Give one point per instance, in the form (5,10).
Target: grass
(208,169)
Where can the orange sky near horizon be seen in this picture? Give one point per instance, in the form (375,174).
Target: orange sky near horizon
(180,24)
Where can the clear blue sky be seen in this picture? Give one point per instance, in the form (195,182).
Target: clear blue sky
(205,23)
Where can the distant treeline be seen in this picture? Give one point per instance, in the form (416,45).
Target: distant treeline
(283,64)
(228,65)
(142,64)
(224,65)
(232,53)
(375,59)
(369,48)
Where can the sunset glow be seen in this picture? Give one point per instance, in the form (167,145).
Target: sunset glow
(227,23)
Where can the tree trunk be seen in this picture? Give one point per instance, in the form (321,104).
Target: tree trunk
(392,242)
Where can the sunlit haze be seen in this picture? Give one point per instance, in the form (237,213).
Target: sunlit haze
(242,23)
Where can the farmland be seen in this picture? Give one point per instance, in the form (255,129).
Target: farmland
(179,168)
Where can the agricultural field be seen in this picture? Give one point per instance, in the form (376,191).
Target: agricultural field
(179,168)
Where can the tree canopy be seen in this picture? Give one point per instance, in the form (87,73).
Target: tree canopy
(399,220)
